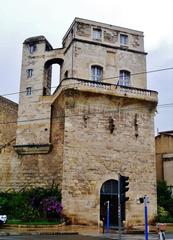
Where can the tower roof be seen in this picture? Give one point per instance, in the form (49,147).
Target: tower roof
(37,39)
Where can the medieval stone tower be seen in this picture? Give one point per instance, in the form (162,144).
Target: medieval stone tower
(97,124)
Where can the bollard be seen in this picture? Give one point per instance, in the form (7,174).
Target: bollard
(107,218)
(103,230)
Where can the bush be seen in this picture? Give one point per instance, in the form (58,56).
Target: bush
(165,202)
(162,212)
(30,214)
(51,207)
(27,204)
(165,219)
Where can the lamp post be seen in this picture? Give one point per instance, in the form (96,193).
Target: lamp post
(145,200)
(146,216)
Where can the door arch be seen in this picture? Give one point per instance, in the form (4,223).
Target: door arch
(109,192)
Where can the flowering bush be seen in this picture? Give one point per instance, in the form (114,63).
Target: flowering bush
(51,207)
(32,204)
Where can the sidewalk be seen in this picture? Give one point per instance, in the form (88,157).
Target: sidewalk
(93,231)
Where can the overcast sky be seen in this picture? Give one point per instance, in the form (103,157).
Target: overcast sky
(20,19)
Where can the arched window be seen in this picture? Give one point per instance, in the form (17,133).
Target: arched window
(52,75)
(55,76)
(109,187)
(124,78)
(96,73)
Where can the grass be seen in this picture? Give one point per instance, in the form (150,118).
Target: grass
(44,222)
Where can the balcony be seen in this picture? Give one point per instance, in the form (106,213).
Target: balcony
(107,88)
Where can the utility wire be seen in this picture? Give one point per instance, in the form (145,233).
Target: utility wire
(114,77)
(146,72)
(88,113)
(100,112)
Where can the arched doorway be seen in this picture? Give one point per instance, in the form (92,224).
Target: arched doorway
(109,192)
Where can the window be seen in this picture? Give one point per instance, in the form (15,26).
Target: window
(97,34)
(96,73)
(28,91)
(44,91)
(109,187)
(124,78)
(29,73)
(66,74)
(123,39)
(32,48)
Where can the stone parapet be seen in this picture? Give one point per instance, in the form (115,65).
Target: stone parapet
(106,88)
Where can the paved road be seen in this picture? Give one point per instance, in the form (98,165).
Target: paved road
(51,237)
(82,237)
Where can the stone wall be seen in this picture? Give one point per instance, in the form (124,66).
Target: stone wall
(32,106)
(43,169)
(92,154)
(87,151)
(8,124)
(109,34)
(20,171)
(111,60)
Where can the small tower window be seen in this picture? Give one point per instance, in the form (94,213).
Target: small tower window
(96,73)
(66,74)
(44,91)
(97,34)
(28,91)
(29,73)
(123,39)
(32,48)
(124,78)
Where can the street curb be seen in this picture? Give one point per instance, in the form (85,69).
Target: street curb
(36,233)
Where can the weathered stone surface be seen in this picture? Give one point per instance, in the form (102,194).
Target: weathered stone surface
(8,124)
(96,129)
(164,156)
(93,155)
(110,36)
(83,29)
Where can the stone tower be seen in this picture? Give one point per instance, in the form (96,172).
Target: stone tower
(97,124)
(91,51)
(33,136)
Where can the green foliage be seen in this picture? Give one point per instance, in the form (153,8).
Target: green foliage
(26,205)
(162,212)
(165,219)
(163,193)
(11,203)
(30,214)
(165,202)
(39,222)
